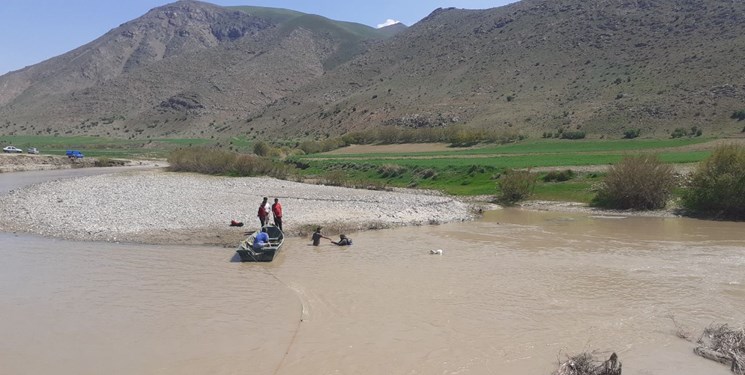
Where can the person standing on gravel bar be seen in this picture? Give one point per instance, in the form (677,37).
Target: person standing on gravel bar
(263,212)
(277,212)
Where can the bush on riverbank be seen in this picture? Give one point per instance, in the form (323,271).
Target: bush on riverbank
(515,186)
(636,182)
(219,162)
(717,187)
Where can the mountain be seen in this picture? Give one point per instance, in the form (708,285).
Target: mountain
(180,69)
(541,66)
(195,69)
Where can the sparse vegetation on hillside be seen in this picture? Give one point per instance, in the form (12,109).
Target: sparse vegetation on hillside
(631,133)
(695,131)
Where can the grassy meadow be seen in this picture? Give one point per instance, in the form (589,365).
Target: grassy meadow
(118,148)
(459,171)
(475,171)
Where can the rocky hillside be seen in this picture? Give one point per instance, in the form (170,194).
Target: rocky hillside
(181,69)
(539,66)
(536,66)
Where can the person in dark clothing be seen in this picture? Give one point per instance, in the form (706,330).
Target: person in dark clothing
(343,241)
(277,212)
(317,237)
(263,212)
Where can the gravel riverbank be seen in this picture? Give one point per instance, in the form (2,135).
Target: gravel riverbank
(178,208)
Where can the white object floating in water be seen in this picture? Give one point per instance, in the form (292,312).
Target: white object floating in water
(438,252)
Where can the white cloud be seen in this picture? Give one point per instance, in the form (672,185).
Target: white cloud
(388,22)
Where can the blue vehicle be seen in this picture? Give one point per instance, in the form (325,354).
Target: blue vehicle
(74,154)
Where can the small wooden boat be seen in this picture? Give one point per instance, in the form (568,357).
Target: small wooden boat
(266,254)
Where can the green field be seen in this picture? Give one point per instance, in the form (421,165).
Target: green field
(112,147)
(471,171)
(537,147)
(475,171)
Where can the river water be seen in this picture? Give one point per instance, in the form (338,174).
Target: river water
(512,293)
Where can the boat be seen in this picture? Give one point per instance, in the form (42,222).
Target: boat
(247,253)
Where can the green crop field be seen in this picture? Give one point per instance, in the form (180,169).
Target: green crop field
(475,171)
(537,147)
(511,161)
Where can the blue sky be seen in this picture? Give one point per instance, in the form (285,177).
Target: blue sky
(34,30)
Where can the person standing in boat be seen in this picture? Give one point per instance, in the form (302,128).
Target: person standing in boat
(263,211)
(277,213)
(317,237)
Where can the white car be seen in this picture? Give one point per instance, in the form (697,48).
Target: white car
(32,150)
(12,149)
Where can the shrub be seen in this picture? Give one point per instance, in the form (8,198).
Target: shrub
(631,134)
(678,133)
(558,176)
(682,132)
(391,170)
(428,173)
(218,162)
(573,135)
(717,187)
(515,186)
(636,182)
(334,178)
(739,115)
(107,162)
(200,160)
(249,165)
(261,148)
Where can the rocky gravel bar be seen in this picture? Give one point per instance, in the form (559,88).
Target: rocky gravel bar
(182,208)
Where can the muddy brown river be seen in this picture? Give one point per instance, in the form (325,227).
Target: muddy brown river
(513,293)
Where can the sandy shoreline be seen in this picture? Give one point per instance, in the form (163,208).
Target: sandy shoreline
(161,207)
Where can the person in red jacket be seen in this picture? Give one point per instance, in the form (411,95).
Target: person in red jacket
(277,212)
(263,212)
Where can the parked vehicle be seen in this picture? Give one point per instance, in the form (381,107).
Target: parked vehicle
(32,150)
(12,149)
(74,154)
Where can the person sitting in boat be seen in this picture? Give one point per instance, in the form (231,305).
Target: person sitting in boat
(343,241)
(262,240)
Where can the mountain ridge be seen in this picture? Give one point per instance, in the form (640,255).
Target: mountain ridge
(530,67)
